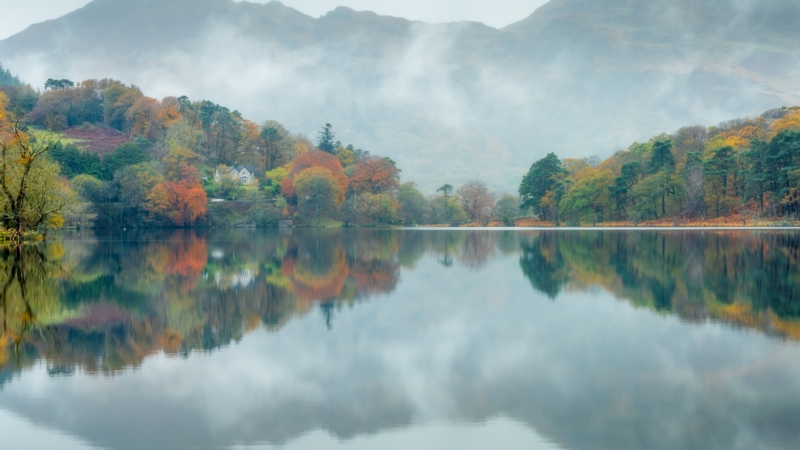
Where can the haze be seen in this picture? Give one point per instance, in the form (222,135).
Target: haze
(18,15)
(448,102)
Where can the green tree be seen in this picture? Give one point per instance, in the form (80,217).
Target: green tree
(31,195)
(125,155)
(507,209)
(411,204)
(647,193)
(134,183)
(21,98)
(544,176)
(783,155)
(316,197)
(721,165)
(754,173)
(6,79)
(52,84)
(661,157)
(629,175)
(270,139)
(325,139)
(88,187)
(589,197)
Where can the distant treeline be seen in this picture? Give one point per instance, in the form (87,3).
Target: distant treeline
(748,168)
(197,163)
(7,79)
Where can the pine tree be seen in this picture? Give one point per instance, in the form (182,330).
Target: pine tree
(662,157)
(542,177)
(325,140)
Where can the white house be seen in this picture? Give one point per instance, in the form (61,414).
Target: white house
(245,174)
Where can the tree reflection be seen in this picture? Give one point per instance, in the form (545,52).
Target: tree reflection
(28,300)
(740,277)
(110,303)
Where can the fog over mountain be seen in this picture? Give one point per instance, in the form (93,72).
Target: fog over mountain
(448,102)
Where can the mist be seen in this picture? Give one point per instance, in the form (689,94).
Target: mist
(448,102)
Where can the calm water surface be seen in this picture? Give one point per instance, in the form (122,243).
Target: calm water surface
(403,339)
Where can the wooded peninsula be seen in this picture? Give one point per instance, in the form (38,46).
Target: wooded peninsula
(102,154)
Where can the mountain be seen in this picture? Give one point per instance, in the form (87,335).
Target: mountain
(451,101)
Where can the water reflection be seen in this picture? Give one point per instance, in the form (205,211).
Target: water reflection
(743,278)
(105,303)
(590,339)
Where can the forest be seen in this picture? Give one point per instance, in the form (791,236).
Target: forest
(130,161)
(104,155)
(740,172)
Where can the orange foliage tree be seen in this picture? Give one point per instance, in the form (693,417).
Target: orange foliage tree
(179,203)
(142,116)
(375,175)
(170,112)
(316,159)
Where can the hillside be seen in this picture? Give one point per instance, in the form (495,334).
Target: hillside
(448,102)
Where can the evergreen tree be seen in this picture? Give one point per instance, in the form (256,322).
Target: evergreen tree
(754,173)
(542,177)
(325,140)
(58,84)
(662,157)
(783,153)
(6,79)
(721,164)
(629,174)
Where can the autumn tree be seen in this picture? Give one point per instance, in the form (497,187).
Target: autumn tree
(29,182)
(315,159)
(183,133)
(477,200)
(589,197)
(689,139)
(136,182)
(178,203)
(375,175)
(346,156)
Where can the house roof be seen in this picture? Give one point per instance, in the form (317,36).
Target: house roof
(239,168)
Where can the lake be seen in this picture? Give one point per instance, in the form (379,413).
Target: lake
(398,339)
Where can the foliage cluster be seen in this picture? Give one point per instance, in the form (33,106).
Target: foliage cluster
(749,167)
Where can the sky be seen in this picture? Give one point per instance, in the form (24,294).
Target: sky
(18,15)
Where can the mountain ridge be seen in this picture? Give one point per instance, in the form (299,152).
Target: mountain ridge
(576,77)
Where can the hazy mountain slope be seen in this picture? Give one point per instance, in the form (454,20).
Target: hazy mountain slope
(448,102)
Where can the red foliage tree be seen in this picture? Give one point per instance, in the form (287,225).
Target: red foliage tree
(287,188)
(375,175)
(180,203)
